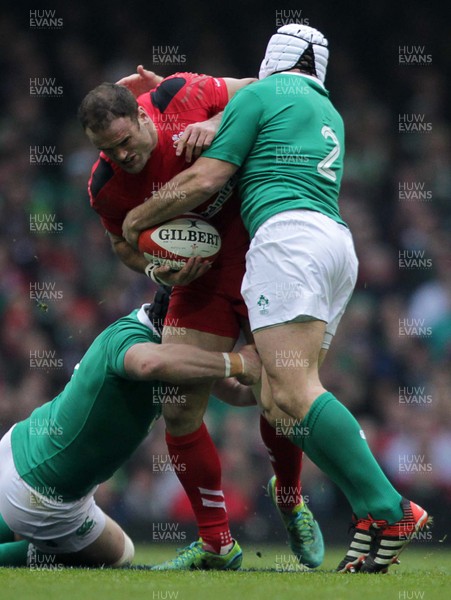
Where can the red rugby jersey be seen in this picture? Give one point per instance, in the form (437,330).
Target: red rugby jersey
(178,101)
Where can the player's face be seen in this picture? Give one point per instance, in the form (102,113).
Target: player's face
(126,142)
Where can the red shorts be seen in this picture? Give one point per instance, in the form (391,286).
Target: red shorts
(212,303)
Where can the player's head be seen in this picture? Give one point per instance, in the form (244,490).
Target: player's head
(296,47)
(117,125)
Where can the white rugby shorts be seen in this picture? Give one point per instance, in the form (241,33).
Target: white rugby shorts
(301,265)
(52,526)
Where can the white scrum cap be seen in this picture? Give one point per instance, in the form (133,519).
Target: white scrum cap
(286,47)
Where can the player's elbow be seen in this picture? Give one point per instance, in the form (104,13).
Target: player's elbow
(119,245)
(150,367)
(142,361)
(209,185)
(207,176)
(209,181)
(123,252)
(120,249)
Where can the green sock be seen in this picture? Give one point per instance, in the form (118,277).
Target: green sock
(14,554)
(334,441)
(6,535)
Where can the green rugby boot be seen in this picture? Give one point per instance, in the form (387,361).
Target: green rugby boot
(304,534)
(195,557)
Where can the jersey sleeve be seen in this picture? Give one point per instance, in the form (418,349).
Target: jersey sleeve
(101,174)
(122,340)
(239,128)
(190,91)
(114,226)
(213,92)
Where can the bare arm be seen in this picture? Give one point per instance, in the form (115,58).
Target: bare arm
(128,255)
(197,137)
(183,193)
(233,85)
(178,363)
(140,82)
(233,392)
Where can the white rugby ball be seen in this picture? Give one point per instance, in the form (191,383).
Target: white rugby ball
(172,243)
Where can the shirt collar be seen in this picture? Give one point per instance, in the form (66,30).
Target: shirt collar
(315,79)
(144,319)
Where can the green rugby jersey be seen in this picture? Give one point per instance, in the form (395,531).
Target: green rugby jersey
(82,436)
(288,139)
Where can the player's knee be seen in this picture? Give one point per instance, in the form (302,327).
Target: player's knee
(270,413)
(128,554)
(186,415)
(183,424)
(293,403)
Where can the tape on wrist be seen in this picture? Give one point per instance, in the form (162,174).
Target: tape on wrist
(149,271)
(228,364)
(242,363)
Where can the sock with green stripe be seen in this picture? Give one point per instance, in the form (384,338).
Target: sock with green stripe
(332,438)
(14,554)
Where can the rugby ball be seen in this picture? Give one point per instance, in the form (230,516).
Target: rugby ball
(173,242)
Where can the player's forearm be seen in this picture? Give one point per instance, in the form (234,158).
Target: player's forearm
(216,120)
(176,363)
(182,194)
(234,393)
(233,85)
(180,363)
(128,255)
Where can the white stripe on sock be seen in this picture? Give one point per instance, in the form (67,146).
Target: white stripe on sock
(213,504)
(211,492)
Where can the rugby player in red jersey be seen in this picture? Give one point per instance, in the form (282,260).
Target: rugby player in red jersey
(137,140)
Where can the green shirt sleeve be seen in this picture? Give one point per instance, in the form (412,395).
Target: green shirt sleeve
(120,341)
(239,128)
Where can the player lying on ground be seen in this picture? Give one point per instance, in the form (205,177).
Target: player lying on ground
(138,156)
(287,139)
(52,462)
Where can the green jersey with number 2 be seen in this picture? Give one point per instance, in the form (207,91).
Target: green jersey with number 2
(288,139)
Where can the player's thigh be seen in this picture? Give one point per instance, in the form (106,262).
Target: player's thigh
(210,304)
(272,413)
(67,530)
(112,548)
(185,415)
(300,266)
(201,339)
(290,355)
(322,356)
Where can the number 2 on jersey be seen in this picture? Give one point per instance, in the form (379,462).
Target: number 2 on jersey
(324,166)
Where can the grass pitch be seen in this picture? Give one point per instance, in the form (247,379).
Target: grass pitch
(268,573)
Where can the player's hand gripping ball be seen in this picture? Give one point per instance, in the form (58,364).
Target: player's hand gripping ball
(172,243)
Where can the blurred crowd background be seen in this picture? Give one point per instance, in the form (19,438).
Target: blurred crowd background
(61,284)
